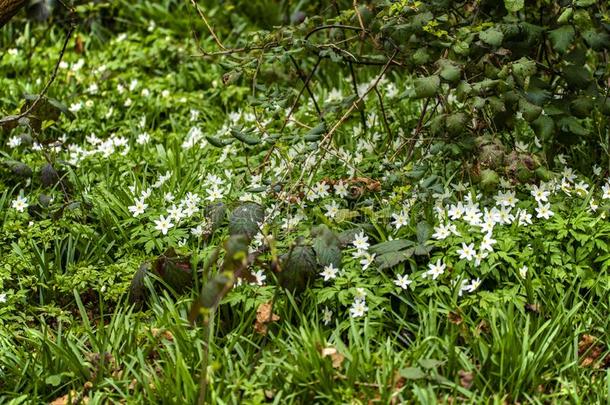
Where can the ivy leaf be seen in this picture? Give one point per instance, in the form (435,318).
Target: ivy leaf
(298,268)
(562,37)
(513,5)
(175,269)
(327,246)
(245,219)
(492,36)
(450,72)
(426,87)
(577,77)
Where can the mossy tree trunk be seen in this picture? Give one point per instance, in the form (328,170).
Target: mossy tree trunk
(8,8)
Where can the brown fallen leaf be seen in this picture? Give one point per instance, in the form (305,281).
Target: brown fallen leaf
(72,398)
(336,357)
(454,318)
(162,333)
(264,316)
(591,350)
(466,378)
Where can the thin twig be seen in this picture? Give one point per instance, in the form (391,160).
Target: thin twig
(296,101)
(205,21)
(355,86)
(355,104)
(385,119)
(304,80)
(12,118)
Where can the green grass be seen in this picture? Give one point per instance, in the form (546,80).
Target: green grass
(68,328)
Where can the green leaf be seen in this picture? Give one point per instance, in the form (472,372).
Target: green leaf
(137,289)
(391,246)
(492,36)
(391,259)
(562,37)
(247,139)
(245,219)
(216,141)
(430,363)
(524,68)
(427,86)
(174,269)
(572,126)
(298,268)
(412,373)
(315,134)
(424,231)
(577,76)
(530,111)
(450,72)
(513,5)
(53,380)
(327,246)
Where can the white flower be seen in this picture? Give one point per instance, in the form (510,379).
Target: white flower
(401,219)
(163,224)
(20,203)
(581,188)
(467,251)
(487,243)
(358,309)
(539,193)
(197,231)
(402,281)
(330,272)
(505,216)
(2,298)
(327,316)
(360,294)
(138,207)
(361,241)
(14,141)
(143,138)
(523,271)
(321,189)
(435,269)
(479,256)
(215,193)
(260,277)
(525,218)
(175,213)
(441,232)
(506,199)
(474,284)
(332,209)
(341,189)
(606,190)
(544,211)
(456,211)
(366,260)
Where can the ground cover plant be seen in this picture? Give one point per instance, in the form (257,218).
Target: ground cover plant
(287,202)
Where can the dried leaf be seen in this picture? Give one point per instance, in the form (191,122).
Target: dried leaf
(454,318)
(336,357)
(264,316)
(466,378)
